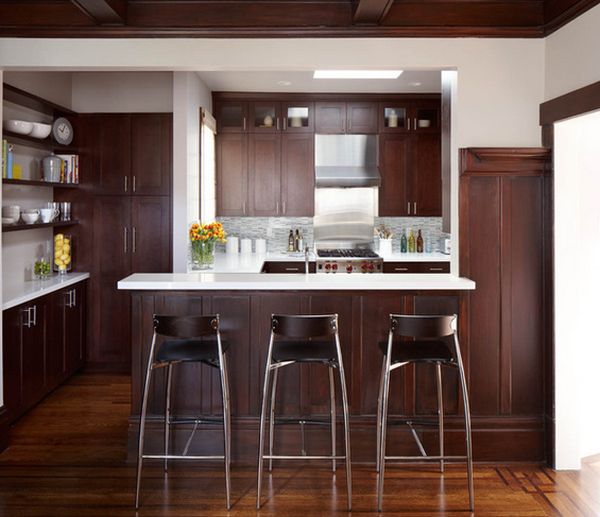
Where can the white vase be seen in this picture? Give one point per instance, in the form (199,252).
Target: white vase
(385,247)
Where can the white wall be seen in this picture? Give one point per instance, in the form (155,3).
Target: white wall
(573,55)
(577,281)
(118,92)
(52,86)
(500,81)
(189,95)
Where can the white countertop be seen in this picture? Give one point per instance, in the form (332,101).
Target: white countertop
(23,293)
(252,262)
(293,282)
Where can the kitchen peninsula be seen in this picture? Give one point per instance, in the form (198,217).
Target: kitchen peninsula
(245,302)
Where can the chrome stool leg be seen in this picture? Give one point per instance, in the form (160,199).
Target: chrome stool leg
(467,410)
(168,412)
(346,421)
(383,427)
(332,411)
(440,398)
(263,416)
(272,418)
(142,429)
(379,402)
(226,425)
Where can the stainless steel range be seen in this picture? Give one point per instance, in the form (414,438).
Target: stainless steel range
(354,260)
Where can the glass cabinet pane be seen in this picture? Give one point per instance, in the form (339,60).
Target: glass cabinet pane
(394,117)
(264,116)
(297,117)
(427,118)
(231,116)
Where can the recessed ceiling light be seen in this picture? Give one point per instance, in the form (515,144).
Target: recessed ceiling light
(284,83)
(357,74)
(415,83)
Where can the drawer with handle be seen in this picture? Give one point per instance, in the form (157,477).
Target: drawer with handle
(416,267)
(287,267)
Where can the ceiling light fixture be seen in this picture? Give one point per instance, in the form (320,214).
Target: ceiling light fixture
(284,83)
(357,74)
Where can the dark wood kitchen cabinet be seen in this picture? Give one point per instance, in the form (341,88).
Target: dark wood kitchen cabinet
(43,345)
(133,153)
(231,116)
(411,172)
(297,175)
(150,234)
(264,174)
(346,117)
(232,174)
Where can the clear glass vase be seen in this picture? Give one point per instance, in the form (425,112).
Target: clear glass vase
(202,255)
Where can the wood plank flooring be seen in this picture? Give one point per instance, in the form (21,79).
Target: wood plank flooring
(67,458)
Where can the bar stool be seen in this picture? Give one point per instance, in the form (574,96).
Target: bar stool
(197,340)
(428,347)
(292,341)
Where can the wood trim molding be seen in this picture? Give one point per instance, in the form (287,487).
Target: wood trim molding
(347,97)
(558,13)
(505,160)
(104,12)
(577,102)
(372,11)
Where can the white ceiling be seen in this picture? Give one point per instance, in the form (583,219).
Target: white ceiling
(423,81)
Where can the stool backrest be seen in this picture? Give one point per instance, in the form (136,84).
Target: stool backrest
(422,327)
(304,326)
(186,327)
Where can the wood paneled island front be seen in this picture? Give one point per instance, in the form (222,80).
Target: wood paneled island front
(245,302)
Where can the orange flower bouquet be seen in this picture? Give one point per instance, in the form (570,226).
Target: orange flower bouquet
(203,238)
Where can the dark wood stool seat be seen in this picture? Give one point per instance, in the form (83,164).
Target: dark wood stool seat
(421,351)
(434,341)
(191,350)
(185,339)
(305,352)
(304,339)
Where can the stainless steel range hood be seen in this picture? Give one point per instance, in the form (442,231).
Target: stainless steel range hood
(346,161)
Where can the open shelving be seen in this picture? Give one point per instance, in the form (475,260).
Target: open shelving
(39,183)
(22,226)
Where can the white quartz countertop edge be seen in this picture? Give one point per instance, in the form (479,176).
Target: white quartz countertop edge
(32,289)
(294,281)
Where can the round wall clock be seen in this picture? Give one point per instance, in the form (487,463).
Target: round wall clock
(62,130)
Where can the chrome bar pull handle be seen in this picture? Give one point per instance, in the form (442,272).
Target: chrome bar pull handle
(285,123)
(244,123)
(415,208)
(277,207)
(74,297)
(277,124)
(124,239)
(133,239)
(408,122)
(70,300)
(34,315)
(244,207)
(408,207)
(125,179)
(27,322)
(283,208)
(133,183)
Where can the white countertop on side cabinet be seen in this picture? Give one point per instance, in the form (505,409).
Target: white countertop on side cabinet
(293,282)
(252,262)
(32,289)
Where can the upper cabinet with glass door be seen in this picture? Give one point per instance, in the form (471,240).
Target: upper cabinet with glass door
(232,116)
(298,117)
(426,116)
(419,115)
(394,117)
(291,117)
(265,117)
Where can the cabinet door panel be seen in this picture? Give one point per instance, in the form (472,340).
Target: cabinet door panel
(55,339)
(232,116)
(265,117)
(75,316)
(232,174)
(297,175)
(265,174)
(394,154)
(12,320)
(151,143)
(361,117)
(114,148)
(426,189)
(330,117)
(151,234)
(112,236)
(33,352)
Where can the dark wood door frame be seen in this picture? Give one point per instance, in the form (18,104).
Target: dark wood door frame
(578,102)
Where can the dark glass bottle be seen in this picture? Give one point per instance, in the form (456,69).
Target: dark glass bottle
(403,242)
(419,242)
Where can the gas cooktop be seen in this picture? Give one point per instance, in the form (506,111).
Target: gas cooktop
(347,253)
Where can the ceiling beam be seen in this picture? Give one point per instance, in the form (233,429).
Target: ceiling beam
(372,11)
(104,12)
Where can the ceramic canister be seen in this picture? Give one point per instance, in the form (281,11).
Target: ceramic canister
(51,166)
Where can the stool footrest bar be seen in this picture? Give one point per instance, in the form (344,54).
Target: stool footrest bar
(419,459)
(177,457)
(268,457)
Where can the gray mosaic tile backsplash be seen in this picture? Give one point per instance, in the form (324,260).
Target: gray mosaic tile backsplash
(276,229)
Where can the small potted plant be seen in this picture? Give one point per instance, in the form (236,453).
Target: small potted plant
(203,238)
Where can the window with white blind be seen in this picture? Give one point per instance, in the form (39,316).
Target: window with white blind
(208,178)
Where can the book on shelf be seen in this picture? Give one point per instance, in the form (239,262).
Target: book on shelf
(69,172)
(4,157)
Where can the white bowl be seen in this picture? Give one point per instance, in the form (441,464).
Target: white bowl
(18,126)
(30,218)
(8,220)
(40,130)
(12,211)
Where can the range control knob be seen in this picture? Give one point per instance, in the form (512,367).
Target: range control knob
(371,267)
(334,266)
(349,268)
(327,266)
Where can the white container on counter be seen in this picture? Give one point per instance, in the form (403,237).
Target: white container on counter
(260,246)
(232,245)
(246,246)
(385,247)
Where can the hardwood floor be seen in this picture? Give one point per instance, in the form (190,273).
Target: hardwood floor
(67,458)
